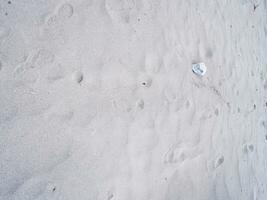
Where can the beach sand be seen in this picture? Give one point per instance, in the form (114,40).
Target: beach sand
(98,100)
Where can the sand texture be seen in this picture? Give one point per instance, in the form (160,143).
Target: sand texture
(98,100)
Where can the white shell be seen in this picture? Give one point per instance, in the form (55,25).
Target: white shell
(199,69)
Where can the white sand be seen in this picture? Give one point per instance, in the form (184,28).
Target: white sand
(98,100)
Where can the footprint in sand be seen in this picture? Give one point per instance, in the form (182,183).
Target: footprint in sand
(65,11)
(54,21)
(51,21)
(140,104)
(218,161)
(119,10)
(77,77)
(248,148)
(110,196)
(43,57)
(152,63)
(209,53)
(28,69)
(21,68)
(51,188)
(187,104)
(216,112)
(175,156)
(179,154)
(39,57)
(145,81)
(170,95)
(55,73)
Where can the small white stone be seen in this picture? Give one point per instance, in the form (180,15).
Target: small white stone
(199,69)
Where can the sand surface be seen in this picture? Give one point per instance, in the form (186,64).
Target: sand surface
(98,100)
